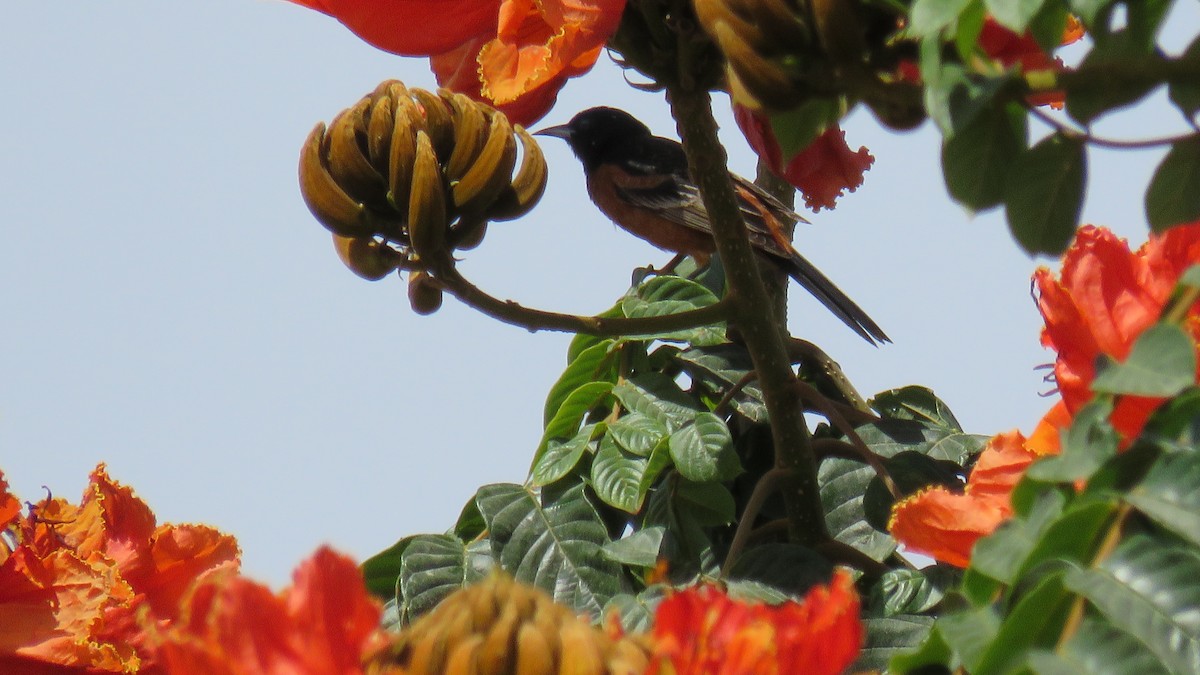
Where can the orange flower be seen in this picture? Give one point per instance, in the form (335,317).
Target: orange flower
(515,54)
(702,630)
(321,625)
(1106,296)
(821,171)
(81,580)
(1011,49)
(945,525)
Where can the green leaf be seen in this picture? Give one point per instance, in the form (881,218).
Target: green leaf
(657,397)
(1172,197)
(1170,494)
(703,451)
(1185,92)
(1048,26)
(790,568)
(382,570)
(723,366)
(1098,648)
(636,611)
(969,633)
(1087,445)
(1035,621)
(1043,196)
(1089,11)
(565,424)
(432,567)
(905,591)
(931,16)
(707,504)
(639,549)
(888,637)
(617,476)
(1002,554)
(911,472)
(1087,103)
(1014,14)
(593,364)
(797,128)
(559,459)
(933,651)
(666,295)
(1147,588)
(637,433)
(1162,363)
(1177,420)
(915,403)
(976,159)
(555,546)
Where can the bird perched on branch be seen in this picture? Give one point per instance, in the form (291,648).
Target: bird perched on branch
(641,182)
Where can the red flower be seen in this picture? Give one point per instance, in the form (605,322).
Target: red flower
(821,171)
(514,54)
(1011,49)
(703,631)
(321,625)
(1106,296)
(945,525)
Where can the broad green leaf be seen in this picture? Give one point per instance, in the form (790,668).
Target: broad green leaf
(665,295)
(382,570)
(636,611)
(1170,494)
(1177,420)
(1172,197)
(559,458)
(639,549)
(905,591)
(797,128)
(708,504)
(657,397)
(932,651)
(1087,103)
(555,546)
(911,472)
(750,591)
(1185,92)
(976,159)
(432,567)
(617,476)
(703,451)
(594,364)
(931,16)
(889,636)
(1147,588)
(1089,11)
(1002,554)
(790,568)
(1098,648)
(1048,26)
(1162,363)
(637,433)
(470,524)
(1014,14)
(1035,622)
(723,366)
(969,633)
(1087,445)
(915,403)
(565,424)
(1043,196)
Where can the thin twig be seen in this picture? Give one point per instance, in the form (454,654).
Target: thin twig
(1088,137)
(770,482)
(810,394)
(841,552)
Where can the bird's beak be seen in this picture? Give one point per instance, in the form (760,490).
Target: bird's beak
(562,131)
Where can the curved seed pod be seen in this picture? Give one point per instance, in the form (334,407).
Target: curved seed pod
(580,648)
(534,655)
(765,82)
(347,161)
(439,123)
(491,171)
(709,12)
(367,258)
(464,659)
(497,655)
(328,202)
(470,133)
(528,185)
(401,155)
(467,232)
(427,203)
(432,645)
(424,295)
(379,133)
(628,657)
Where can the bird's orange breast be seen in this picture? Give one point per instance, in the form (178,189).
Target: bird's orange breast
(644,222)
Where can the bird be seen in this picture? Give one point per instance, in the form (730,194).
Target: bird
(641,182)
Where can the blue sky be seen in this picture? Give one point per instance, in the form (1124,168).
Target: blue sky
(171,308)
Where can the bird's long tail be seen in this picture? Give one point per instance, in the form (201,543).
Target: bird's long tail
(832,297)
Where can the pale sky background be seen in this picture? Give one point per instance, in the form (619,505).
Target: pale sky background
(171,308)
